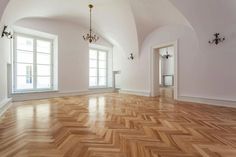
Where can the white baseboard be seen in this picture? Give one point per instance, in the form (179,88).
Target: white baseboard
(207,101)
(135,92)
(4,105)
(46,95)
(223,103)
(34,96)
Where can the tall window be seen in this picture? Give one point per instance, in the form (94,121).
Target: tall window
(32,63)
(97,68)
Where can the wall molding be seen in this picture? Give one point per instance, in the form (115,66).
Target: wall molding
(208,101)
(4,105)
(190,99)
(54,94)
(135,92)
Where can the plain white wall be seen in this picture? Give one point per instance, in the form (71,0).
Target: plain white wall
(4,58)
(73,61)
(5,48)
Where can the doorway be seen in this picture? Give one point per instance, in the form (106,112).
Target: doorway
(164,81)
(166,71)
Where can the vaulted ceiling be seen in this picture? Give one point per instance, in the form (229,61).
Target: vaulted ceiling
(126,23)
(3,4)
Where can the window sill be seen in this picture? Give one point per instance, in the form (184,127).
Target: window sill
(32,92)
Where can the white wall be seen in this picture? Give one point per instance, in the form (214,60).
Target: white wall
(4,60)
(136,73)
(217,80)
(4,49)
(3,69)
(73,62)
(201,73)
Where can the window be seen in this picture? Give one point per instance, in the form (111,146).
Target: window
(97,68)
(33,63)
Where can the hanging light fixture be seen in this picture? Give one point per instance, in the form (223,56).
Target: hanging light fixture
(6,33)
(167,55)
(90,36)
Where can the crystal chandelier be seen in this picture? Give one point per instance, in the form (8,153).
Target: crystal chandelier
(90,36)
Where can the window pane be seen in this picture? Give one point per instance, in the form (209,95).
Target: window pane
(43,46)
(102,55)
(93,63)
(43,70)
(102,81)
(24,43)
(102,72)
(92,81)
(92,54)
(93,72)
(24,57)
(102,64)
(24,82)
(25,69)
(44,82)
(43,58)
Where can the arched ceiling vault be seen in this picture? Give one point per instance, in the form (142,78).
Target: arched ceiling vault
(3,4)
(208,16)
(126,23)
(111,19)
(153,14)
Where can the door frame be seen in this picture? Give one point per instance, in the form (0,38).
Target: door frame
(154,59)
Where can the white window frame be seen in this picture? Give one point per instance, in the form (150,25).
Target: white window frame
(106,51)
(34,89)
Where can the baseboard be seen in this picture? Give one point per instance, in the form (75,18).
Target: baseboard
(34,96)
(4,105)
(223,103)
(47,95)
(135,92)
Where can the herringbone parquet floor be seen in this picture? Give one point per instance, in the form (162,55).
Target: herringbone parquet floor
(116,125)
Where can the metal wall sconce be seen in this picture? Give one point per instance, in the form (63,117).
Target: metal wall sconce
(217,39)
(131,56)
(6,33)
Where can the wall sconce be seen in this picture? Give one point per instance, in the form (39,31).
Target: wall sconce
(6,33)
(217,39)
(131,56)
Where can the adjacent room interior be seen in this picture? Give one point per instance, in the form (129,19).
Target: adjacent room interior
(122,78)
(166,71)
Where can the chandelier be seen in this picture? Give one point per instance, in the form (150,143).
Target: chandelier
(90,36)
(167,55)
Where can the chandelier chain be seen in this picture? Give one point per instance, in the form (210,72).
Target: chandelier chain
(90,37)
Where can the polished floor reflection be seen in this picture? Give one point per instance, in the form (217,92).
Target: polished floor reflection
(117,125)
(167,92)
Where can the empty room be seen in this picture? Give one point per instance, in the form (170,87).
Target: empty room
(117,78)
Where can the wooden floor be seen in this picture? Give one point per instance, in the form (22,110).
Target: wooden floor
(117,125)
